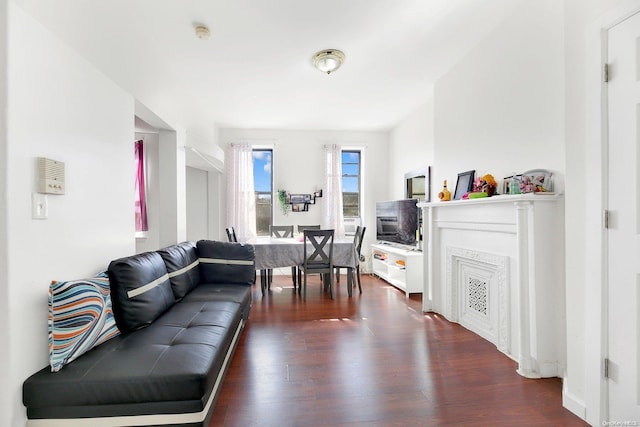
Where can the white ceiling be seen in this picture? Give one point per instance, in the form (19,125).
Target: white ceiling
(255,71)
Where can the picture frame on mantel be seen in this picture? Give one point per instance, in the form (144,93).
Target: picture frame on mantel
(464,184)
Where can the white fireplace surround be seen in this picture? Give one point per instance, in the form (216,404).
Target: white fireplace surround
(496,266)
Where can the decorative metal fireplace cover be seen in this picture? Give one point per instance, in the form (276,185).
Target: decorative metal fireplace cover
(472,280)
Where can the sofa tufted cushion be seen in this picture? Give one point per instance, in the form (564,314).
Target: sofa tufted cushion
(224,262)
(140,290)
(182,265)
(240,294)
(80,318)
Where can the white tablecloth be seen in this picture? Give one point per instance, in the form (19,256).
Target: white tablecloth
(286,252)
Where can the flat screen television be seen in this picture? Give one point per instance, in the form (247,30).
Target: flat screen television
(397,221)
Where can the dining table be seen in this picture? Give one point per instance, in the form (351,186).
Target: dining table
(277,252)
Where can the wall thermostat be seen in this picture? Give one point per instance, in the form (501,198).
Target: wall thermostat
(50,176)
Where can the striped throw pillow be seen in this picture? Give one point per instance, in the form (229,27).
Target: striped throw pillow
(80,318)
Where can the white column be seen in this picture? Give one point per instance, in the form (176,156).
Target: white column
(427,292)
(526,366)
(215,209)
(172,177)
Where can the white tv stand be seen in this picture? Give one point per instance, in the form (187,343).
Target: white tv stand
(387,261)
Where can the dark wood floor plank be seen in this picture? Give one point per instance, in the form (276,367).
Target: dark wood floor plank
(373,360)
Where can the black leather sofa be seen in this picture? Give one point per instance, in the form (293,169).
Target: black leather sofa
(180,311)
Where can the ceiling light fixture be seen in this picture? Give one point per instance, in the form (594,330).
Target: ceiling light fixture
(202,32)
(328,60)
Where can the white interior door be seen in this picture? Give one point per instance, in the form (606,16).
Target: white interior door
(624,222)
(197,204)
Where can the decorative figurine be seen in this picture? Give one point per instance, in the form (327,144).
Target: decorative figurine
(445,194)
(489,184)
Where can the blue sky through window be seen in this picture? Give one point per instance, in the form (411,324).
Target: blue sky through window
(350,166)
(262,170)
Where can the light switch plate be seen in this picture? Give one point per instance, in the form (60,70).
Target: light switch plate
(39,206)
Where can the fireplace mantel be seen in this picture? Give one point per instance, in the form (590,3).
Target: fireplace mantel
(496,266)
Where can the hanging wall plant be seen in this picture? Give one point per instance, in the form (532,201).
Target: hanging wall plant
(284,202)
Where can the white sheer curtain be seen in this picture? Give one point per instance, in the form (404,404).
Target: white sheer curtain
(241,199)
(332,216)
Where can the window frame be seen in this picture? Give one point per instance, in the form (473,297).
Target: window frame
(254,149)
(359,151)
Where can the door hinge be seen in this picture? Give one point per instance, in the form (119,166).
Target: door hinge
(606,368)
(605,218)
(605,73)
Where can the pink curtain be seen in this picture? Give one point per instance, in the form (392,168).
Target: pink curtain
(141,198)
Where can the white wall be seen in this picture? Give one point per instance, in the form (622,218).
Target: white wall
(59,107)
(574,391)
(411,147)
(298,167)
(500,109)
(6,394)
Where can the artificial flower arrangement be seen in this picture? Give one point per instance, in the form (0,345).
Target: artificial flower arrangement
(536,181)
(484,186)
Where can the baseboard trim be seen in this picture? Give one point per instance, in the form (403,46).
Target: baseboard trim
(549,370)
(573,404)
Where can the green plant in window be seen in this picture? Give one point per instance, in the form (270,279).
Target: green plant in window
(284,202)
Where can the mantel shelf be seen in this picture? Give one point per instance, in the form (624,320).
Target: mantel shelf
(502,198)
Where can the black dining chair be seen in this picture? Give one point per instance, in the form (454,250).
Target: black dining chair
(231,235)
(301,228)
(352,278)
(282,231)
(318,258)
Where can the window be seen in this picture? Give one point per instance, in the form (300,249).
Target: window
(263,185)
(351,173)
(140,190)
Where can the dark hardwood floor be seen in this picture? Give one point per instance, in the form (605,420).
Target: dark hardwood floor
(373,360)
